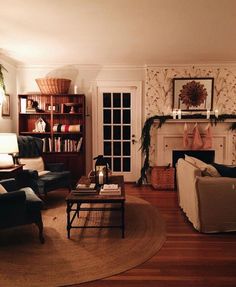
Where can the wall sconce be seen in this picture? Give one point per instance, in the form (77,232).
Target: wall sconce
(8,149)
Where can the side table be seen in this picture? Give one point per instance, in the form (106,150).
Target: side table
(10,172)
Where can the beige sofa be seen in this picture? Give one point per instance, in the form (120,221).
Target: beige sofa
(208,202)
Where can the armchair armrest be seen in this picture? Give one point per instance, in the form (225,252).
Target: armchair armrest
(17,196)
(9,184)
(28,177)
(55,167)
(12,208)
(29,173)
(217,197)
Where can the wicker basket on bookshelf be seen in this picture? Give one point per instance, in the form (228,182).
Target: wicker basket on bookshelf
(53,85)
(163,177)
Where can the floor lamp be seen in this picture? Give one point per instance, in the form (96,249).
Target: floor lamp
(8,149)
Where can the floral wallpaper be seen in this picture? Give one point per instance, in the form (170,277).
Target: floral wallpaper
(159,89)
(159,92)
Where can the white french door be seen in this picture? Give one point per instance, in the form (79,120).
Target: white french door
(118,127)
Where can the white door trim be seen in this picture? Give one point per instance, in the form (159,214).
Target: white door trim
(117,84)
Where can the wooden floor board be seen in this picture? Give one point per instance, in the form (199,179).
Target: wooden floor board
(187,258)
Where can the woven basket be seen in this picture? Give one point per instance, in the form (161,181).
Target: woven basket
(53,85)
(163,177)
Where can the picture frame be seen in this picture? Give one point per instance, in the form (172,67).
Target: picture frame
(193,94)
(70,108)
(6,106)
(55,108)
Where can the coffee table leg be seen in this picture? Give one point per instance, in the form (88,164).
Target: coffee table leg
(123,219)
(68,209)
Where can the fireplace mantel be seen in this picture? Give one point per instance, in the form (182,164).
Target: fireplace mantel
(170,121)
(169,137)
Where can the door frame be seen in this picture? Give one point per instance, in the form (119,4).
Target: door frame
(138,98)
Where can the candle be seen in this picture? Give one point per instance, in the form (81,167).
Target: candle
(216,113)
(100,177)
(75,89)
(179,114)
(208,114)
(174,114)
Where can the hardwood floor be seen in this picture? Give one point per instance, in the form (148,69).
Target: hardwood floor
(187,258)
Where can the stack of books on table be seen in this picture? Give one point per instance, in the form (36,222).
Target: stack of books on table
(110,189)
(84,189)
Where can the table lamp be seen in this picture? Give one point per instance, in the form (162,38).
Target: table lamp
(8,149)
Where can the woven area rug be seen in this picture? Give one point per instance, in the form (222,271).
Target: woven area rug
(90,254)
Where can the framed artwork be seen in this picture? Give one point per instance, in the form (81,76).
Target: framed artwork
(55,108)
(193,94)
(6,106)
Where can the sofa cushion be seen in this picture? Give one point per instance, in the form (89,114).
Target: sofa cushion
(224,170)
(36,163)
(206,169)
(2,189)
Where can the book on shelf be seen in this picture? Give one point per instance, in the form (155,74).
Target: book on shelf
(67,145)
(30,110)
(23,105)
(79,144)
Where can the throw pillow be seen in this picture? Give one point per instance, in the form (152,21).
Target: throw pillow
(35,163)
(207,169)
(189,159)
(225,170)
(30,195)
(2,189)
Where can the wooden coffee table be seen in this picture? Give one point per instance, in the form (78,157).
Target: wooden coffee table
(117,202)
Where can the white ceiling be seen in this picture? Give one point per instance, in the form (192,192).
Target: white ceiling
(118,32)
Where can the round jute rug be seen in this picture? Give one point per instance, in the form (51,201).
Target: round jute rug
(90,254)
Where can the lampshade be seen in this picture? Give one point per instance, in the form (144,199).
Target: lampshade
(8,143)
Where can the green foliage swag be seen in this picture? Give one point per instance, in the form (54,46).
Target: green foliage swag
(161,119)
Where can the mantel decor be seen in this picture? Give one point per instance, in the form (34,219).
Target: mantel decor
(193,94)
(160,120)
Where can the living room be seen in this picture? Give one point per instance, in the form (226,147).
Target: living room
(135,47)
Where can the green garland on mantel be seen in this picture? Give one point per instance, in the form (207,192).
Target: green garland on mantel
(145,137)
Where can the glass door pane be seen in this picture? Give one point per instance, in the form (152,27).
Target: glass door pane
(117,130)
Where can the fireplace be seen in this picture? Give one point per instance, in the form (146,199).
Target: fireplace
(168,140)
(207,156)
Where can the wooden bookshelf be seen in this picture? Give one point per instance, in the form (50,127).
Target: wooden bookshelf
(63,129)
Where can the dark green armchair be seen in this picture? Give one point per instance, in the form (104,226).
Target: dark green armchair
(42,177)
(19,206)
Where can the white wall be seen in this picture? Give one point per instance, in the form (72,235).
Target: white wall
(8,124)
(85,78)
(157,80)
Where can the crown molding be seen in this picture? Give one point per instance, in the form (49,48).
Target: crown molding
(193,65)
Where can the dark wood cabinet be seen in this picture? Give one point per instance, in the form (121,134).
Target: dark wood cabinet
(60,121)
